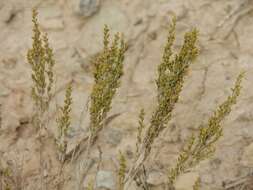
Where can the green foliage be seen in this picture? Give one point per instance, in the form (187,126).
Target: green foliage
(140,128)
(196,185)
(90,186)
(122,171)
(108,70)
(40,57)
(64,122)
(6,178)
(171,73)
(202,146)
(107,73)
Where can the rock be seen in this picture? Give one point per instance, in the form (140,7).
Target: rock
(4,91)
(207,178)
(85,8)
(247,156)
(186,181)
(133,186)
(88,7)
(105,179)
(155,178)
(113,136)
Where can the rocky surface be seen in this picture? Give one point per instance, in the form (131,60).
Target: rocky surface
(75,30)
(105,179)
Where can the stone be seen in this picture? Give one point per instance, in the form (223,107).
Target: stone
(4,91)
(186,181)
(156,178)
(88,7)
(85,8)
(105,179)
(133,186)
(207,178)
(113,136)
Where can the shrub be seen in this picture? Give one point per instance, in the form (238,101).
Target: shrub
(64,124)
(171,73)
(40,57)
(108,70)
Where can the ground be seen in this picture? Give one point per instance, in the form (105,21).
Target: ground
(75,29)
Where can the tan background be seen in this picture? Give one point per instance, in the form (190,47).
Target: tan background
(225,41)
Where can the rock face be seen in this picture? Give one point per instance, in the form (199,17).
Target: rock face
(155,178)
(85,8)
(75,31)
(88,7)
(105,179)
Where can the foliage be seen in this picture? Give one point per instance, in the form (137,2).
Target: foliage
(122,170)
(40,57)
(6,178)
(196,185)
(64,122)
(140,129)
(171,73)
(202,146)
(107,72)
(90,186)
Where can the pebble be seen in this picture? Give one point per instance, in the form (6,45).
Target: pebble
(105,179)
(88,7)
(156,178)
(113,136)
